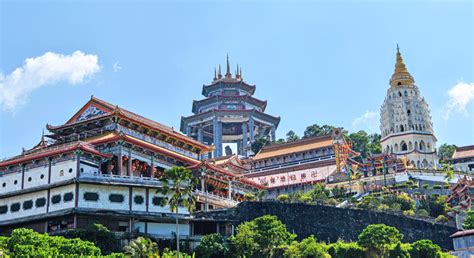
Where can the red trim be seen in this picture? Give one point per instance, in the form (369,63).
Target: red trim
(79,145)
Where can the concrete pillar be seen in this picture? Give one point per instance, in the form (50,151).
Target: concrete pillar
(199,136)
(251,129)
(239,148)
(189,130)
(217,134)
(244,139)
(129,164)
(229,194)
(119,160)
(272,133)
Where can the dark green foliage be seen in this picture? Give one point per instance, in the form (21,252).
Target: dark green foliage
(342,249)
(400,251)
(316,130)
(259,143)
(291,136)
(262,237)
(445,152)
(379,237)
(99,235)
(425,249)
(469,221)
(212,246)
(366,144)
(26,243)
(308,247)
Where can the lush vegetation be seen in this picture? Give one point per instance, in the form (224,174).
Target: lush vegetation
(266,236)
(445,152)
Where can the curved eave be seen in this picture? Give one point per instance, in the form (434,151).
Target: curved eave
(55,128)
(78,146)
(406,133)
(146,145)
(213,99)
(206,88)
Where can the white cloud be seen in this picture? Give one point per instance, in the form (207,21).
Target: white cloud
(117,67)
(460,96)
(369,121)
(50,68)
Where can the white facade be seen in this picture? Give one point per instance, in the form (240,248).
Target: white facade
(405,121)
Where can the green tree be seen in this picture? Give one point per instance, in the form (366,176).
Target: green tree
(258,144)
(377,238)
(319,193)
(142,247)
(28,243)
(469,221)
(264,236)
(291,136)
(445,152)
(212,246)
(425,249)
(316,130)
(342,249)
(400,251)
(283,198)
(307,248)
(179,183)
(99,235)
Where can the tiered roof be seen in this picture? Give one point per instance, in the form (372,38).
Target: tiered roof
(464,152)
(294,147)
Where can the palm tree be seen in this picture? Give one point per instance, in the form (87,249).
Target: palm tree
(142,248)
(179,183)
(261,194)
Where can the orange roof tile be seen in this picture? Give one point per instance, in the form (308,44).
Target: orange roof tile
(464,152)
(294,147)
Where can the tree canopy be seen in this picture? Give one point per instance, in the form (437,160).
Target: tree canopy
(379,237)
(445,152)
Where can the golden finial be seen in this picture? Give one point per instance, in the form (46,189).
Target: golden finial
(219,75)
(228,75)
(401,76)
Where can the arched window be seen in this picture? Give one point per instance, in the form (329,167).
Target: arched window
(422,145)
(408,112)
(428,146)
(416,145)
(403,146)
(406,93)
(399,94)
(401,128)
(410,146)
(396,128)
(425,163)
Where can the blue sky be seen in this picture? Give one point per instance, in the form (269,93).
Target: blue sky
(324,62)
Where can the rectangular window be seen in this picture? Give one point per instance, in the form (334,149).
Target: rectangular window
(3,209)
(40,202)
(56,199)
(91,196)
(68,197)
(116,198)
(15,207)
(27,204)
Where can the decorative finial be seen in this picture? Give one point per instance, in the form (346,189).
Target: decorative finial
(237,75)
(398,49)
(215,75)
(219,75)
(401,76)
(228,75)
(240,73)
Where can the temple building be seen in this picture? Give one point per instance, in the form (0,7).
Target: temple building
(229,114)
(463,158)
(295,166)
(103,166)
(405,121)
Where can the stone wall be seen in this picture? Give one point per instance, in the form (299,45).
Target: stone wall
(329,223)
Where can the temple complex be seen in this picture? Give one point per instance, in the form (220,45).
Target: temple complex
(104,166)
(405,121)
(229,114)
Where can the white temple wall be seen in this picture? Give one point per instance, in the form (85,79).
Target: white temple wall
(21,199)
(63,170)
(10,182)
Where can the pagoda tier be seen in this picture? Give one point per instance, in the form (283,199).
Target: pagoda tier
(229,114)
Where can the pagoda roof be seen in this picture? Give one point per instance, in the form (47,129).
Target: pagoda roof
(114,136)
(54,150)
(213,112)
(217,169)
(109,110)
(306,144)
(247,98)
(228,81)
(463,152)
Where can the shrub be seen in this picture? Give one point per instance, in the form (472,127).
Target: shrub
(249,197)
(383,207)
(437,187)
(425,249)
(305,199)
(395,207)
(332,201)
(142,247)
(446,186)
(409,213)
(469,221)
(378,238)
(422,213)
(308,247)
(400,251)
(442,219)
(426,186)
(212,246)
(283,198)
(342,249)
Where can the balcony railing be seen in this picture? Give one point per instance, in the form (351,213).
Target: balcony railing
(212,197)
(292,163)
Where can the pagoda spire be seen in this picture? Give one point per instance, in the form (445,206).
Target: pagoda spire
(219,74)
(401,76)
(215,75)
(228,75)
(237,75)
(240,73)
